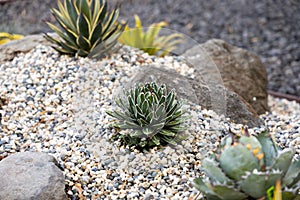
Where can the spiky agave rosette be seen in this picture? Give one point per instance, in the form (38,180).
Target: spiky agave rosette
(247,166)
(153,116)
(149,41)
(86,28)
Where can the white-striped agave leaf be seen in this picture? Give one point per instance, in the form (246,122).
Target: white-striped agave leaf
(86,28)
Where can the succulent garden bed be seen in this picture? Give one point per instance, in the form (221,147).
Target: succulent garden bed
(43,114)
(153,146)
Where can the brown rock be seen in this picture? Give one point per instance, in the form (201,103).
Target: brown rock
(217,97)
(166,76)
(241,71)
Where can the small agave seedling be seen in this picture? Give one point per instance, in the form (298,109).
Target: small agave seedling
(149,41)
(154,117)
(247,166)
(86,28)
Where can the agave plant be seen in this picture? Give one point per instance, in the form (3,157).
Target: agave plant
(149,41)
(154,117)
(247,167)
(6,37)
(86,28)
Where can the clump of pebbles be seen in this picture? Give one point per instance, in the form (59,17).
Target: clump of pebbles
(57,104)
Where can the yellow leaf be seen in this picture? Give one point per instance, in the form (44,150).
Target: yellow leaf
(6,37)
(277,191)
(16,37)
(149,41)
(4,34)
(3,41)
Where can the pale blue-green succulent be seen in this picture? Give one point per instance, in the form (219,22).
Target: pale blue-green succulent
(247,166)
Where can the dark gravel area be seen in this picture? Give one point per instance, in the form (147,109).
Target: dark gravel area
(270,28)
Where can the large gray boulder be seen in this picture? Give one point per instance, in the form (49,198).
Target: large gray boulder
(217,97)
(31,175)
(241,71)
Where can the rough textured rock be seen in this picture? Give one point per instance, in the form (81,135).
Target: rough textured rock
(241,71)
(166,76)
(217,97)
(31,175)
(10,49)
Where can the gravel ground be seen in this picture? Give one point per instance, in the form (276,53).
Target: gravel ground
(271,28)
(57,105)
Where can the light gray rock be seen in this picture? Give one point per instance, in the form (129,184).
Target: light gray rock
(9,50)
(241,71)
(31,175)
(212,97)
